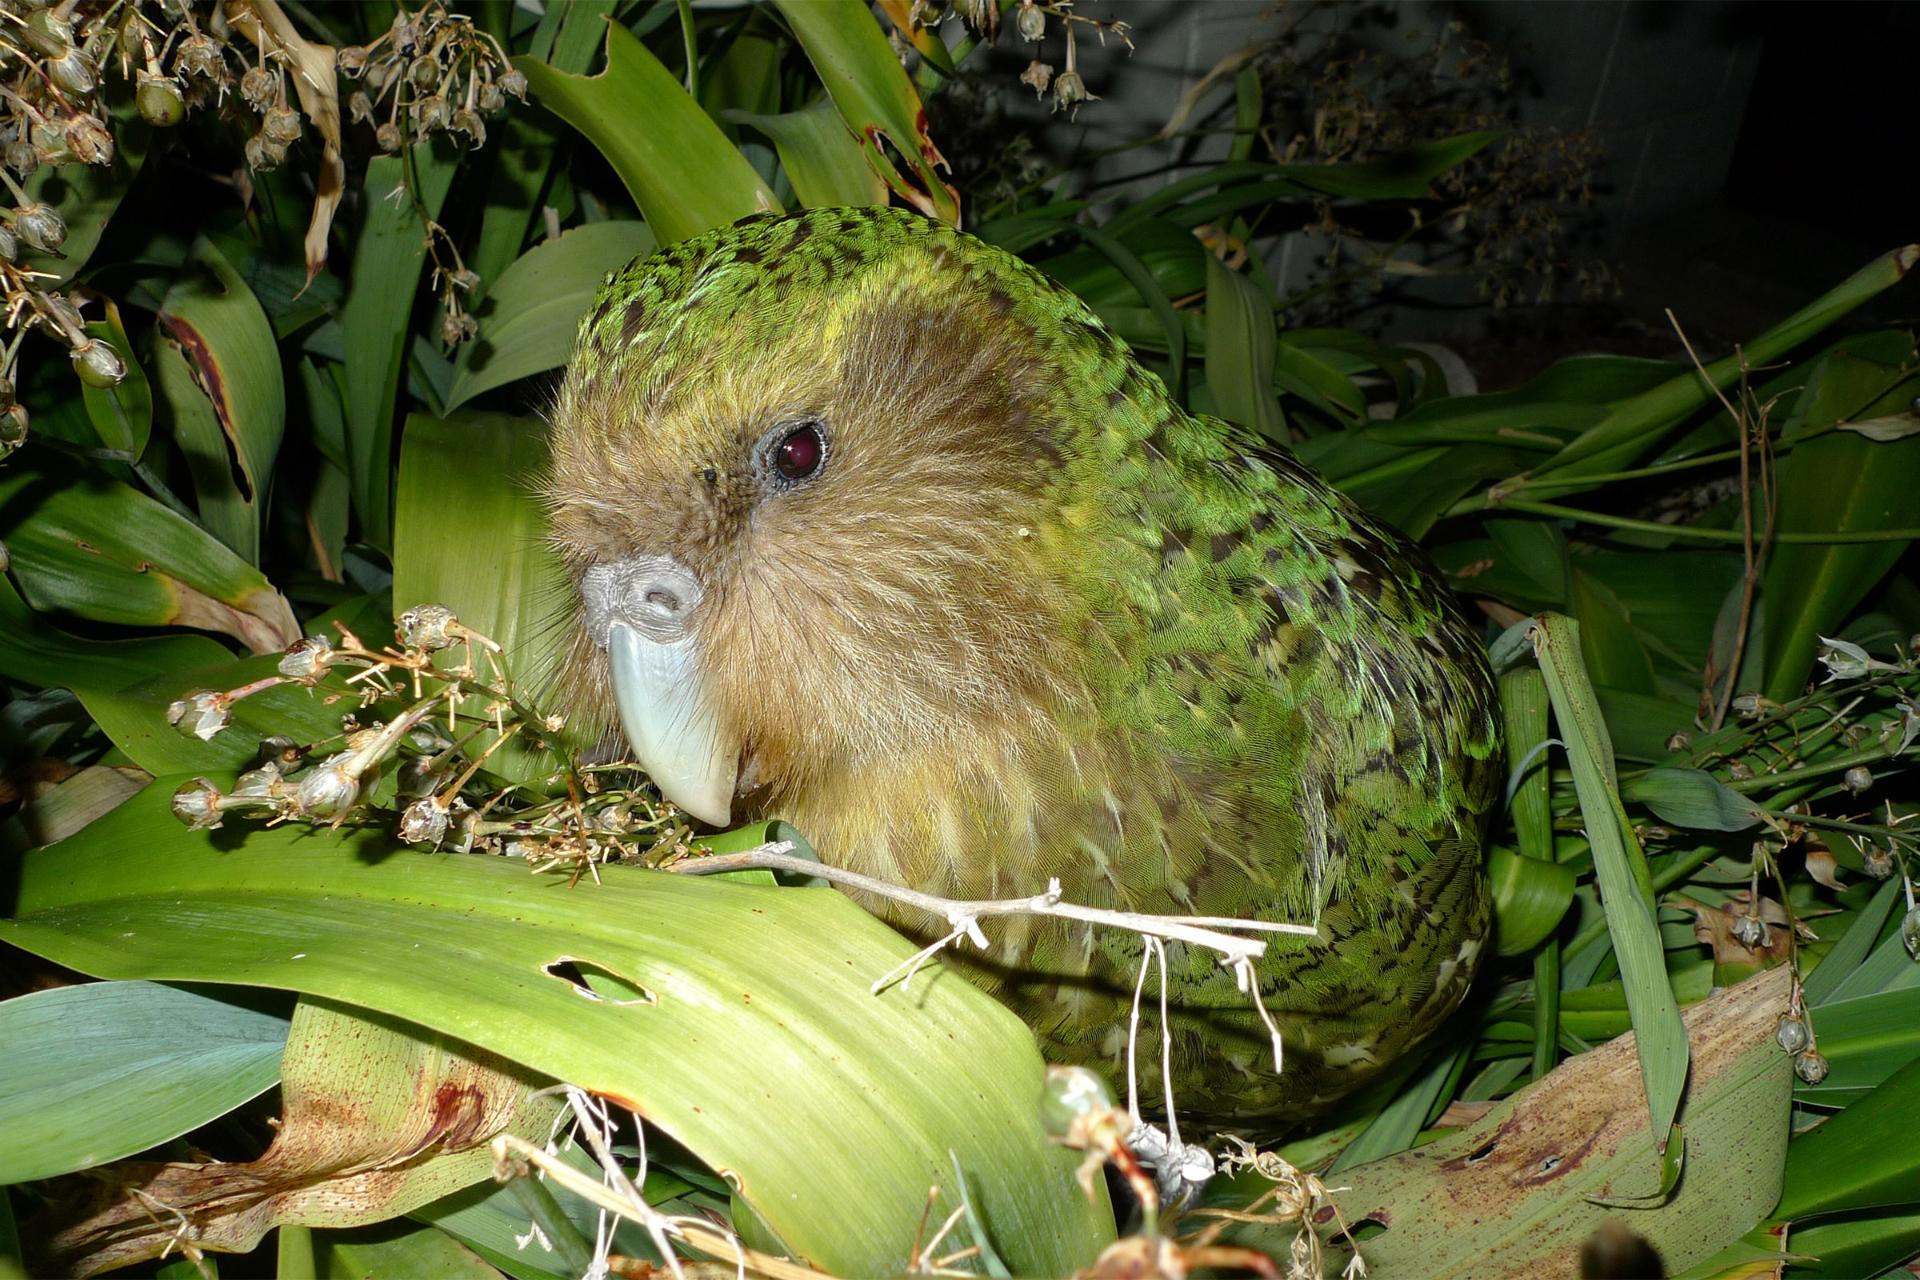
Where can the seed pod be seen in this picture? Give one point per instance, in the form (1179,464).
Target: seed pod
(491,98)
(1747,705)
(1749,931)
(199,56)
(467,121)
(1069,90)
(281,752)
(457,327)
(306,658)
(13,434)
(352,60)
(360,107)
(424,72)
(200,714)
(73,73)
(1739,771)
(282,125)
(387,136)
(1811,1066)
(1032,23)
(1069,1094)
(198,805)
(514,82)
(1791,1034)
(424,822)
(1039,75)
(98,364)
(1679,742)
(1877,862)
(89,140)
(431,114)
(9,246)
(464,280)
(1910,933)
(255,784)
(40,227)
(49,33)
(160,101)
(329,790)
(428,627)
(257,87)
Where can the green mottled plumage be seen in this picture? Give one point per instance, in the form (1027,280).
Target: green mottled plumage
(1033,620)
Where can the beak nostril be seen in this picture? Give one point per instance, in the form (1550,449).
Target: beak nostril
(663,600)
(655,594)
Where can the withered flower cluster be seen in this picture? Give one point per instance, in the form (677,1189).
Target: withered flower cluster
(417,731)
(432,71)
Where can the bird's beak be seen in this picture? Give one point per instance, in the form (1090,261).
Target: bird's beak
(639,610)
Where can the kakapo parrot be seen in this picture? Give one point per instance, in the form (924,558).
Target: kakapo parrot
(878,530)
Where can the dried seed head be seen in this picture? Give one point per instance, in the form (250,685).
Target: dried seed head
(1910,933)
(424,822)
(198,805)
(64,315)
(457,328)
(352,60)
(1749,931)
(1039,75)
(9,246)
(468,121)
(198,55)
(1791,1034)
(258,87)
(98,364)
(431,114)
(1857,779)
(160,101)
(257,152)
(13,430)
(1811,1066)
(387,137)
(1739,771)
(404,34)
(464,280)
(282,125)
(1747,705)
(200,714)
(1679,742)
(281,752)
(491,98)
(428,627)
(40,226)
(1032,22)
(1855,734)
(1876,862)
(89,140)
(306,658)
(360,107)
(514,82)
(329,791)
(1069,90)
(21,156)
(424,72)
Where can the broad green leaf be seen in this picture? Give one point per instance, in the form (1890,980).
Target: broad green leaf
(1530,897)
(219,370)
(399,193)
(377,1119)
(1620,868)
(383,1253)
(1612,652)
(762,1050)
(1847,1248)
(1694,799)
(101,550)
(1865,1040)
(680,169)
(532,312)
(100,1071)
(122,415)
(1394,1129)
(1844,961)
(1633,425)
(821,156)
(60,811)
(1835,483)
(479,547)
(1513,1194)
(876,98)
(1859,1158)
(1240,351)
(34,651)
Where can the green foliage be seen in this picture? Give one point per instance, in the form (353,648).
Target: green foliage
(287,453)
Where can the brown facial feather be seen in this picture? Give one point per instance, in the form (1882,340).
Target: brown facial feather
(888,605)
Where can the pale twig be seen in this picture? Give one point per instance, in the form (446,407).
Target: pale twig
(1203,931)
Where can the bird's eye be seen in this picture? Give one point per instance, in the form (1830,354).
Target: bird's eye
(799,453)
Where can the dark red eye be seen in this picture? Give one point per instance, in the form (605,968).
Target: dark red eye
(800,453)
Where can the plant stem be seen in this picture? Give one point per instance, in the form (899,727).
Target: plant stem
(1685,531)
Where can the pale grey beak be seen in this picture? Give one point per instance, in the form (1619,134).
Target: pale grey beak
(639,610)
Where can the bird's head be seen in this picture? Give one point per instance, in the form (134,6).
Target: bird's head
(818,482)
